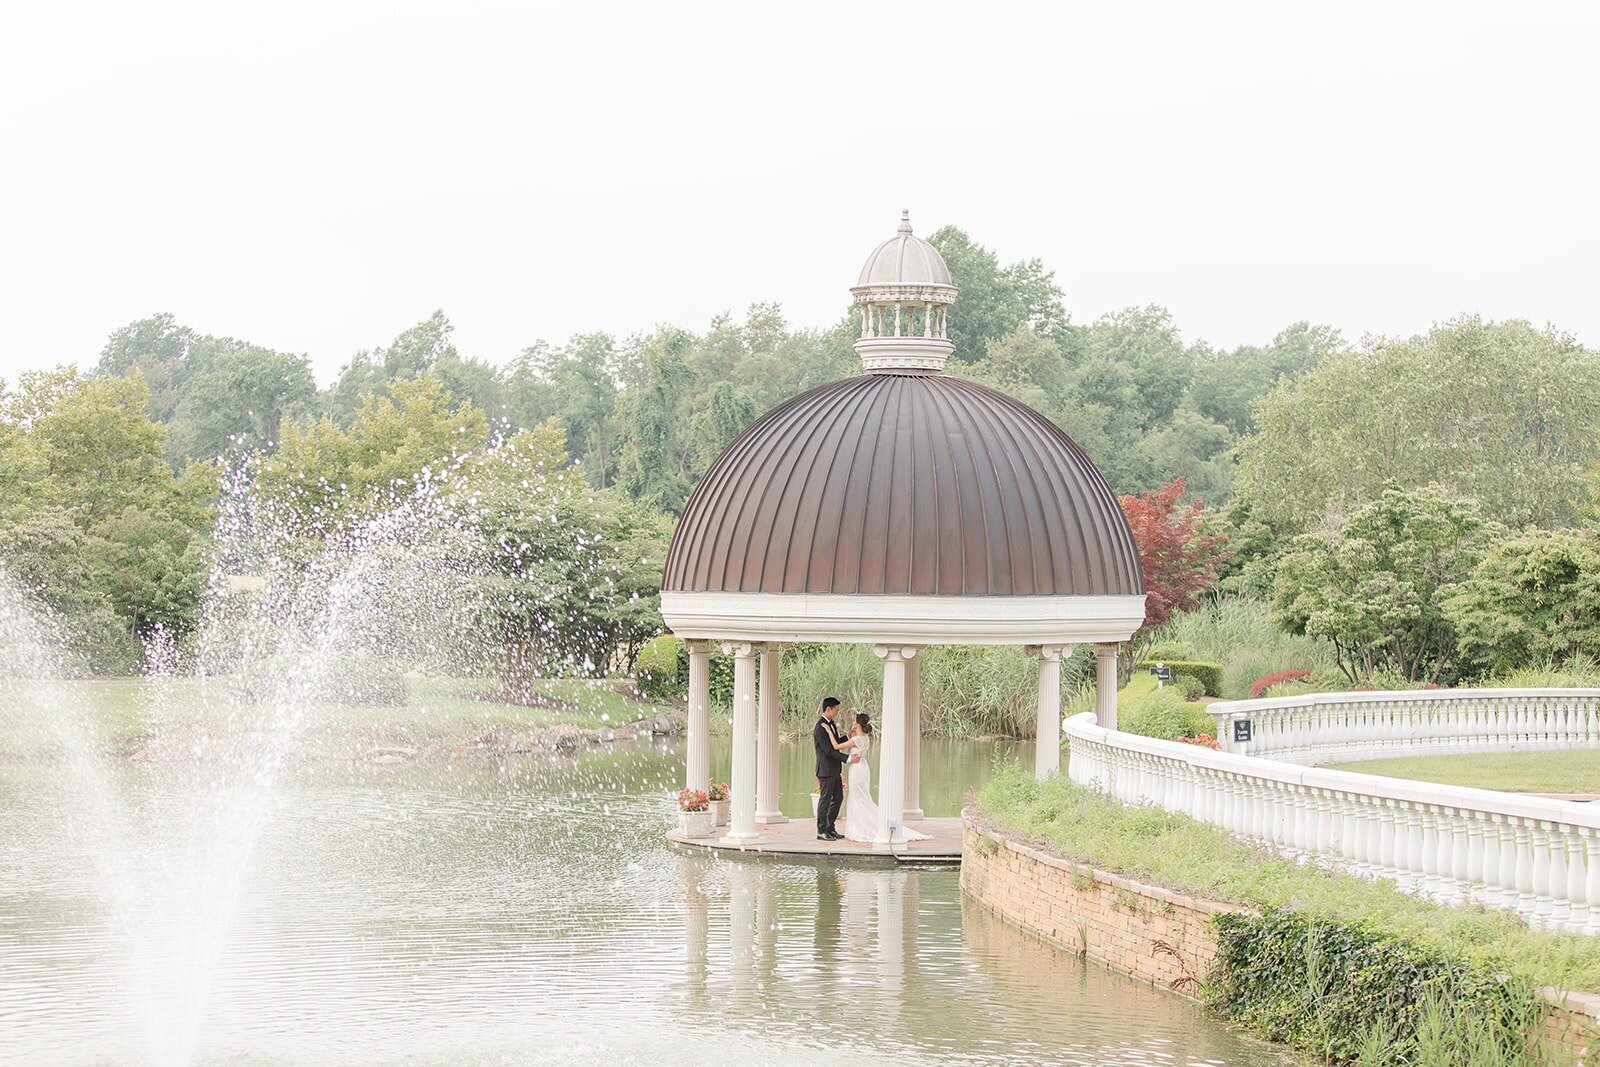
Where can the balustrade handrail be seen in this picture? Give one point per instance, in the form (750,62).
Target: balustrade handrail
(1536,855)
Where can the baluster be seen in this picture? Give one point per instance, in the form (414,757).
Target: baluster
(1591,877)
(1510,850)
(1428,851)
(1577,880)
(1479,857)
(1452,839)
(1539,840)
(1524,882)
(1560,903)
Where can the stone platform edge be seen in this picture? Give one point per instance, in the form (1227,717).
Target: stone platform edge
(1148,932)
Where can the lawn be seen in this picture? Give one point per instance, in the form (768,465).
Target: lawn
(1569,771)
(124,712)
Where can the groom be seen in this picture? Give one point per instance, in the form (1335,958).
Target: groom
(830,788)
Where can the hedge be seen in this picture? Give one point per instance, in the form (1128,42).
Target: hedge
(1210,674)
(657,670)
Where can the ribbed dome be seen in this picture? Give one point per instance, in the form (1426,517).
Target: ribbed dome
(903,484)
(904,260)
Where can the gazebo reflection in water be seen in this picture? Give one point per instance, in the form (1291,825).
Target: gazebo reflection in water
(902,508)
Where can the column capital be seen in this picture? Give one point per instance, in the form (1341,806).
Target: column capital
(1049,652)
(739,649)
(699,644)
(896,652)
(773,646)
(1106,651)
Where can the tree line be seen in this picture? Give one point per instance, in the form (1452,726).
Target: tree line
(1283,466)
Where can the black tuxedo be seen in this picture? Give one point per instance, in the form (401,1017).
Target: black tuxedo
(830,788)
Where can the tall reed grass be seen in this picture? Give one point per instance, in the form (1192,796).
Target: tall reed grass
(968,690)
(1239,633)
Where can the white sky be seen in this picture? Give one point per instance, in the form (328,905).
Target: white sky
(316,177)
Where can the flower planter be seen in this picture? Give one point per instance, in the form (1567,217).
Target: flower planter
(696,823)
(719,808)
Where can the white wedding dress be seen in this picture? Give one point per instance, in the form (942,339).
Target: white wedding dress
(861,812)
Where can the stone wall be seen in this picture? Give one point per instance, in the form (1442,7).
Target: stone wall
(1142,930)
(1147,931)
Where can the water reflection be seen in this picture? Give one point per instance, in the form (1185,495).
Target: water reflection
(529,912)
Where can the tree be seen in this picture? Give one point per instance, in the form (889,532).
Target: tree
(325,474)
(1534,599)
(212,393)
(1226,384)
(995,300)
(1500,412)
(575,570)
(1180,559)
(1378,588)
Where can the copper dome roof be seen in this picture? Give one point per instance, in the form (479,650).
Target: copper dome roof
(918,484)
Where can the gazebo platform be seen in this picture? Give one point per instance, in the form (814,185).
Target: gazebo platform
(798,838)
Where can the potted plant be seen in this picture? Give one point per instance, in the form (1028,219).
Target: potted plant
(717,794)
(694,814)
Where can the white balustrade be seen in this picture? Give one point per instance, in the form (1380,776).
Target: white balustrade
(1344,727)
(1454,844)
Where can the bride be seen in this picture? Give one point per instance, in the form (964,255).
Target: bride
(861,819)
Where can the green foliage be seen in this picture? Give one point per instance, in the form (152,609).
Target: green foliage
(1191,687)
(354,680)
(1469,406)
(1533,598)
(657,670)
(1152,845)
(212,394)
(1378,588)
(1208,673)
(967,690)
(1347,992)
(93,520)
(1165,713)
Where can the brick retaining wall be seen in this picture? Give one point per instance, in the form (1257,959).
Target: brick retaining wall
(1148,931)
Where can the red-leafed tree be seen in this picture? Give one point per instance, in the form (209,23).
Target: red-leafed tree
(1179,558)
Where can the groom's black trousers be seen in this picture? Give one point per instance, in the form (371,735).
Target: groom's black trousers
(830,795)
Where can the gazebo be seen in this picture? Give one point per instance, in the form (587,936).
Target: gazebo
(902,507)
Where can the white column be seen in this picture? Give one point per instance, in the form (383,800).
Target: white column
(913,808)
(1047,729)
(742,830)
(767,739)
(892,738)
(1105,686)
(697,762)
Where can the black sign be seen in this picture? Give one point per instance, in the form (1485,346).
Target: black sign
(1241,729)
(1162,672)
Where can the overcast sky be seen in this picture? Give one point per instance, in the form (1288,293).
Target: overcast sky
(316,177)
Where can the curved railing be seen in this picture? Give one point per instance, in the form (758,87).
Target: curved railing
(1538,857)
(1343,727)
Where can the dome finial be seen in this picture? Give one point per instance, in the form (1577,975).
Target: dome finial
(905,220)
(904,294)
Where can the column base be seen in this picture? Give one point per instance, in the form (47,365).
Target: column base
(770,818)
(738,840)
(912,815)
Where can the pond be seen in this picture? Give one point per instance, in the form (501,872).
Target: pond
(529,912)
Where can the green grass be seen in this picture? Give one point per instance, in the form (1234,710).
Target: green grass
(123,712)
(1155,846)
(1570,771)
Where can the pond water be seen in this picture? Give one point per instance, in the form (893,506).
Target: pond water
(529,912)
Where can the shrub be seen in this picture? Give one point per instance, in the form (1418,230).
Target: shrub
(1210,674)
(1342,990)
(1191,687)
(1163,713)
(354,680)
(657,670)
(1259,687)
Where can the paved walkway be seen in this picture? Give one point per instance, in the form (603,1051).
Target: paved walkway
(799,838)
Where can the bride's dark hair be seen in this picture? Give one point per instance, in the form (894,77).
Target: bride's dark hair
(863,722)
